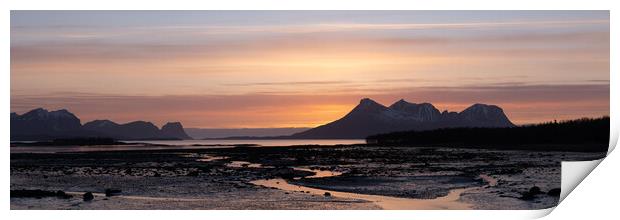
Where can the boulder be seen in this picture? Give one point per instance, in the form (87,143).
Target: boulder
(530,194)
(555,192)
(88,196)
(37,193)
(112,192)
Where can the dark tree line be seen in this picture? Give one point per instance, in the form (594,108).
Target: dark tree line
(587,134)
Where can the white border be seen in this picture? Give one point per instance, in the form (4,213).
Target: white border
(588,207)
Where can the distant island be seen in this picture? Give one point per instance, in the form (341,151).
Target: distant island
(41,125)
(369,118)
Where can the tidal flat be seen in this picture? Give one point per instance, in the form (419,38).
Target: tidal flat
(292,177)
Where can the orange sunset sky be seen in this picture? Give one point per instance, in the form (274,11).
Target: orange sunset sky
(233,69)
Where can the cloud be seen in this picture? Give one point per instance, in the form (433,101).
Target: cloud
(292,83)
(72,32)
(510,45)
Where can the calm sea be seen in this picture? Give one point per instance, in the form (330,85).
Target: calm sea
(183,144)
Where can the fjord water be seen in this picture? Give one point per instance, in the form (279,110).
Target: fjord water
(264,142)
(182,144)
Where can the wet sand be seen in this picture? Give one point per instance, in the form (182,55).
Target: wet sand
(450,201)
(293,178)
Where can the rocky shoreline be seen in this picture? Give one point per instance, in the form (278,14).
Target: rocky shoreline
(204,178)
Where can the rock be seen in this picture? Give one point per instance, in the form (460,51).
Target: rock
(37,193)
(554,192)
(327,194)
(526,196)
(88,196)
(112,192)
(531,194)
(193,173)
(286,173)
(61,194)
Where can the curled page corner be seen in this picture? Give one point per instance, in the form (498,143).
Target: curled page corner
(573,173)
(613,134)
(536,214)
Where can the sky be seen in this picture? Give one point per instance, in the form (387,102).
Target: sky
(254,69)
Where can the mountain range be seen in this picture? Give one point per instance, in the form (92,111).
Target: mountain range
(367,118)
(370,117)
(41,124)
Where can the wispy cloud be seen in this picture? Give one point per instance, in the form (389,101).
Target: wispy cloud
(73,32)
(292,83)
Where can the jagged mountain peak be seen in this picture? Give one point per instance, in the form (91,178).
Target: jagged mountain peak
(421,112)
(41,124)
(147,123)
(368,102)
(487,115)
(41,121)
(400,104)
(481,105)
(368,105)
(480,108)
(62,113)
(173,124)
(101,123)
(37,112)
(44,114)
(370,117)
(175,130)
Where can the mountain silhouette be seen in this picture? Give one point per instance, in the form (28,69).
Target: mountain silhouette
(481,115)
(175,130)
(131,130)
(370,117)
(419,112)
(41,124)
(44,124)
